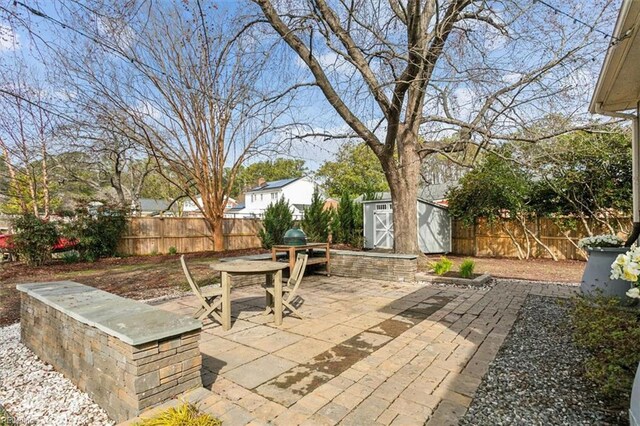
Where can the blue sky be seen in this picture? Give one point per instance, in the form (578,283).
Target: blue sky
(311,107)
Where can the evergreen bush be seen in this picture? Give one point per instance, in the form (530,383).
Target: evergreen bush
(349,222)
(97,234)
(277,220)
(34,238)
(316,220)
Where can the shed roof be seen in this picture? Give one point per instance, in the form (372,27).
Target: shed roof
(385,197)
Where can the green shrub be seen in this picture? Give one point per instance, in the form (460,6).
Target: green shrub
(97,234)
(466,268)
(183,415)
(611,334)
(71,256)
(34,238)
(442,266)
(348,224)
(277,220)
(173,250)
(315,222)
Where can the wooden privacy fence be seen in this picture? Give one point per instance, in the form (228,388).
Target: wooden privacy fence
(156,235)
(484,239)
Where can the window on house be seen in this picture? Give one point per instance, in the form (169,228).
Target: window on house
(261,197)
(274,195)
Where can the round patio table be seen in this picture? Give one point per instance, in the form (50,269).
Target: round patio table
(272,271)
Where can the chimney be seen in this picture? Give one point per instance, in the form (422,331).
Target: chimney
(261,182)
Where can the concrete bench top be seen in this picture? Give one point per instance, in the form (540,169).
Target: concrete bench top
(131,321)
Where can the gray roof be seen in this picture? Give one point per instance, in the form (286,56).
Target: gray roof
(151,205)
(434,192)
(301,207)
(273,185)
(236,208)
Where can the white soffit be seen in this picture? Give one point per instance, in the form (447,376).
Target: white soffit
(618,87)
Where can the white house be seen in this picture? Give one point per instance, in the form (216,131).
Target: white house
(190,209)
(297,192)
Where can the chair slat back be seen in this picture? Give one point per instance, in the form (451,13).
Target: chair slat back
(192,283)
(298,272)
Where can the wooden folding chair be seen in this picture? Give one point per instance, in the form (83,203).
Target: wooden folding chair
(205,295)
(289,290)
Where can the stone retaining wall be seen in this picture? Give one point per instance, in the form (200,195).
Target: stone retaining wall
(124,379)
(374,265)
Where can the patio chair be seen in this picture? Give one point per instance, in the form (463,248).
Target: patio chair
(289,290)
(206,296)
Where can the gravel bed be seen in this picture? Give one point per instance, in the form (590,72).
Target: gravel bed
(536,379)
(33,393)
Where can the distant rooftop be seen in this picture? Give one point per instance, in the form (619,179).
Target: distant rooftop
(273,185)
(151,205)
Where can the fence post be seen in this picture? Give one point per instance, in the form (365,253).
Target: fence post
(161,247)
(475,238)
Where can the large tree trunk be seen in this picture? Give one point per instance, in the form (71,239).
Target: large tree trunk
(403,182)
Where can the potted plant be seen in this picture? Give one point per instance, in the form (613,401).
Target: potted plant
(597,279)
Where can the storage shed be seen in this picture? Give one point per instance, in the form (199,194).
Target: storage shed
(434,225)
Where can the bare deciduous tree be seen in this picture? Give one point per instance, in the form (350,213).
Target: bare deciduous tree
(406,76)
(186,85)
(25,140)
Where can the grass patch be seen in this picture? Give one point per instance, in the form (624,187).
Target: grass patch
(184,415)
(611,335)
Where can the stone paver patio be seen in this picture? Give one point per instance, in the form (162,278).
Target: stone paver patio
(367,353)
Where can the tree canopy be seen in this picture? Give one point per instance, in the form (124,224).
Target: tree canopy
(355,170)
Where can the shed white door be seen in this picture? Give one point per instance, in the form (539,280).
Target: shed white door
(383,227)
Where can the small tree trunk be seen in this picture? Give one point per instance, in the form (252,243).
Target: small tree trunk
(218,233)
(521,253)
(45,181)
(33,191)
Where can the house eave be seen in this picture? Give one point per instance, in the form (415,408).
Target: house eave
(618,86)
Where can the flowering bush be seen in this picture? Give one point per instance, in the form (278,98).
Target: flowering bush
(627,267)
(606,240)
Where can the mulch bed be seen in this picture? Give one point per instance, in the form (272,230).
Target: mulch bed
(135,277)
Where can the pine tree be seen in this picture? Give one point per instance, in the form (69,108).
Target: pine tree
(315,222)
(277,220)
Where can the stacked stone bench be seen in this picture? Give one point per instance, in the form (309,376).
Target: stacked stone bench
(125,354)
(374,265)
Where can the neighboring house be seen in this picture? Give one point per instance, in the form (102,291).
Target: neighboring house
(297,192)
(151,207)
(190,209)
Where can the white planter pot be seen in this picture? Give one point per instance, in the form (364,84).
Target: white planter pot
(596,278)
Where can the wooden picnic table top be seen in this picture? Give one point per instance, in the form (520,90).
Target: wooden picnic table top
(248,266)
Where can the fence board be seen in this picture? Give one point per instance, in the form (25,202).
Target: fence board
(149,235)
(485,239)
